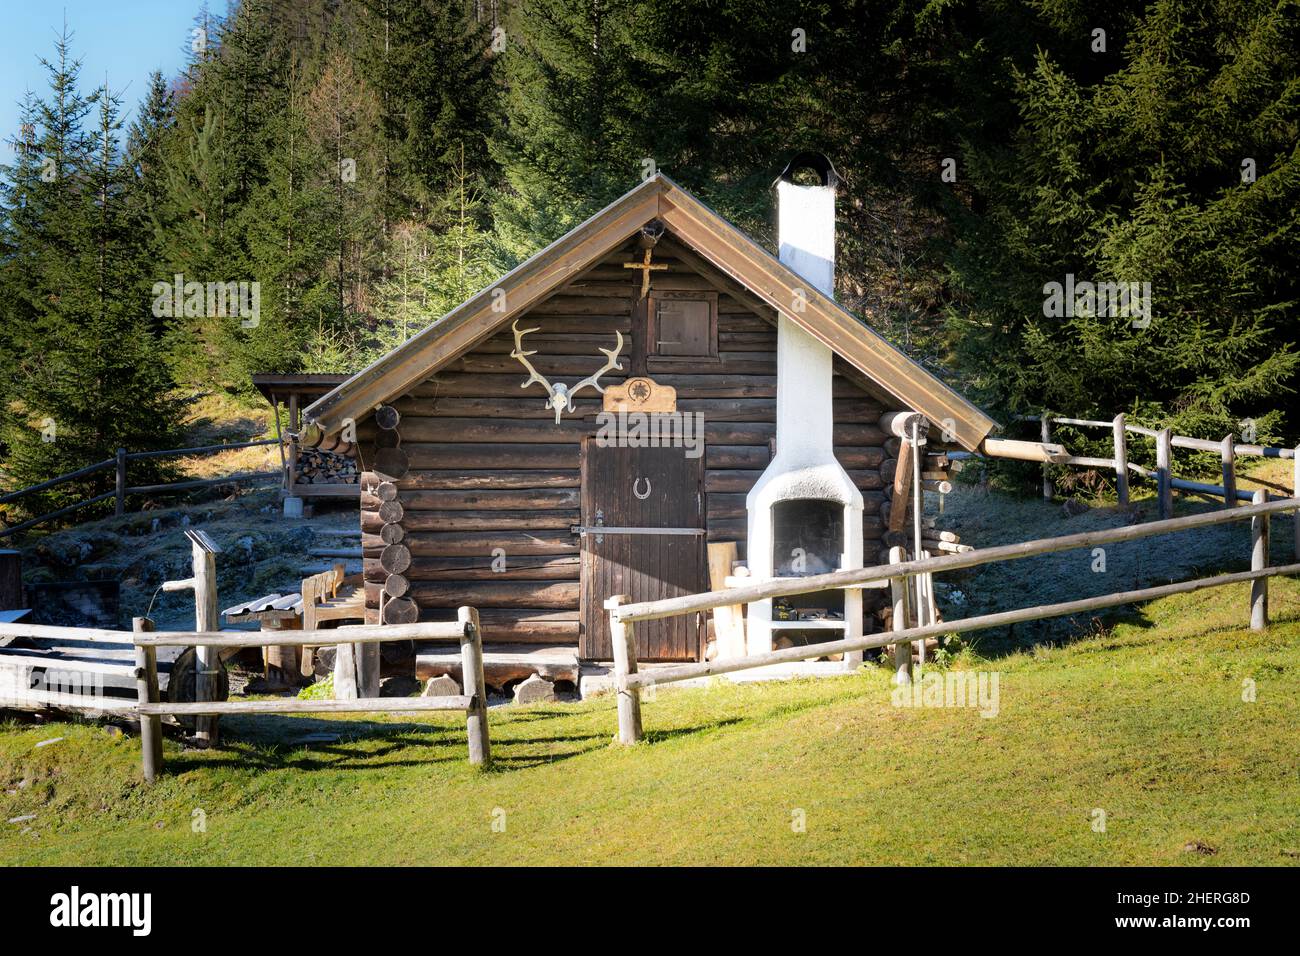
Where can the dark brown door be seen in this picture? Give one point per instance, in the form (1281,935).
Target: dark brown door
(660,490)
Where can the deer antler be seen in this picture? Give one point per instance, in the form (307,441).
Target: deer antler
(522,356)
(611,364)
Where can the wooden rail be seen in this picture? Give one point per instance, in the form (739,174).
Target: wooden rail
(466,629)
(121,490)
(624,616)
(1227,448)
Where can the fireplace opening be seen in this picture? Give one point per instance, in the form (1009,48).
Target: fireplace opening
(807,536)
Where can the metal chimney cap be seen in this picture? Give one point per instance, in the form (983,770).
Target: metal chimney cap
(817,162)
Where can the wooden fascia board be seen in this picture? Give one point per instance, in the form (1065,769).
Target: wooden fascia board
(476,319)
(738,256)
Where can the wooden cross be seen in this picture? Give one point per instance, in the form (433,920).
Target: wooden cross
(646,267)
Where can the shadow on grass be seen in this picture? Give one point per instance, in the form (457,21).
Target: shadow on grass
(276,743)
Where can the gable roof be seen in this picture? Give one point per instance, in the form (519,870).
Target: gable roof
(714,240)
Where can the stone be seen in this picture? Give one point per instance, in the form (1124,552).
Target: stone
(442,686)
(1074,507)
(401,686)
(534,690)
(293,506)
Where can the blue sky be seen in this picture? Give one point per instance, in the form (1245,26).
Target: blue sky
(127,39)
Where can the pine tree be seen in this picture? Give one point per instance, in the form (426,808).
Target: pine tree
(88,377)
(434,268)
(1140,177)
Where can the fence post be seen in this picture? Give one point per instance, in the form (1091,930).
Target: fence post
(119,505)
(622,635)
(1121,460)
(902,649)
(1046,432)
(1295,493)
(471,672)
(1228,454)
(1164,459)
(1258,562)
(206,618)
(146,688)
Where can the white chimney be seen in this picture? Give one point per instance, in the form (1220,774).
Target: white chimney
(804,468)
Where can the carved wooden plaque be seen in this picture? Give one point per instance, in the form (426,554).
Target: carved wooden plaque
(640,394)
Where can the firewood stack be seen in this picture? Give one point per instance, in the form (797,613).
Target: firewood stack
(316,467)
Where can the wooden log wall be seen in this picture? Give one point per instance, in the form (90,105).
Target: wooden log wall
(493,484)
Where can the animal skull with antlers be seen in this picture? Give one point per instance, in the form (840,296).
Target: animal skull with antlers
(562,395)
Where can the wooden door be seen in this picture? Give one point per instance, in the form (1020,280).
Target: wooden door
(657,489)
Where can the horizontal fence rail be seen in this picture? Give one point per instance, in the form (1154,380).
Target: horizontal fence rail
(121,490)
(1228,448)
(466,629)
(706,601)
(624,616)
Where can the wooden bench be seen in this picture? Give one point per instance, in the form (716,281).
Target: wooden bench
(329,596)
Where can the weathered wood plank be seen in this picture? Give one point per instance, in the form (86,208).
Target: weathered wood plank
(473,500)
(550,595)
(453,544)
(536,520)
(470,568)
(464,480)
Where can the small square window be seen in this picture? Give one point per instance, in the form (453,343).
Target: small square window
(684,325)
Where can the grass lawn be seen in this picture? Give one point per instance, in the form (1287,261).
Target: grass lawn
(1145,721)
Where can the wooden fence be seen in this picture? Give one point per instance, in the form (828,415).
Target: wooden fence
(624,616)
(1228,449)
(465,628)
(121,490)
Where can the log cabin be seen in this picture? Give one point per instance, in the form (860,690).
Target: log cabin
(652,383)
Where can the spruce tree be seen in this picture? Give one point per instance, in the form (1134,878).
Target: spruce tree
(1179,169)
(88,377)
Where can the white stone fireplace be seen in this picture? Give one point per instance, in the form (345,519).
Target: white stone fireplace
(804,513)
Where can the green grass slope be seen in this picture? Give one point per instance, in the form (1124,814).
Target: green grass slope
(1144,721)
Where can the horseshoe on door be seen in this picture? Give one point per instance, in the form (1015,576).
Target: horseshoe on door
(636,485)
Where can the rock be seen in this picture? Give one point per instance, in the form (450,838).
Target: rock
(242,552)
(1196,846)
(113,731)
(534,690)
(1074,507)
(399,687)
(23,819)
(46,743)
(443,686)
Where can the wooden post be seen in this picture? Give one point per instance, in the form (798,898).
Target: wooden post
(1046,433)
(1258,562)
(471,668)
(1164,460)
(206,618)
(903,649)
(1228,454)
(728,622)
(623,637)
(119,503)
(902,488)
(1121,460)
(1295,493)
(11,579)
(146,688)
